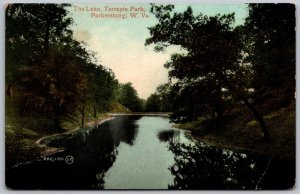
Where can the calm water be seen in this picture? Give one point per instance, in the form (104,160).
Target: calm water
(145,152)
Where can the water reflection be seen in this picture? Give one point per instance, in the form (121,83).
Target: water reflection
(169,135)
(204,167)
(130,152)
(124,129)
(145,164)
(94,151)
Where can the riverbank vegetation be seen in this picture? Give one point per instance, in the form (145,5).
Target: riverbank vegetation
(54,83)
(243,133)
(234,85)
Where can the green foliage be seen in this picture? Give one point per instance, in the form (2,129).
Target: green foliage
(222,64)
(128,97)
(116,107)
(54,86)
(101,86)
(53,73)
(153,103)
(161,100)
(206,68)
(164,92)
(29,30)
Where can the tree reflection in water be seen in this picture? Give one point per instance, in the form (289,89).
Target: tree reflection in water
(204,167)
(94,151)
(169,135)
(122,129)
(197,165)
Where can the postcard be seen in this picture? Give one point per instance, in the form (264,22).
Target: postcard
(150,96)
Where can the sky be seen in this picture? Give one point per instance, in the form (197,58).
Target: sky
(119,43)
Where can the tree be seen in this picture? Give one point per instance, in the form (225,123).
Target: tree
(55,86)
(49,76)
(29,30)
(161,100)
(55,75)
(206,75)
(270,30)
(101,86)
(153,103)
(128,97)
(164,93)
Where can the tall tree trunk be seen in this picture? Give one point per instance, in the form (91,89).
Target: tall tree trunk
(257,115)
(260,119)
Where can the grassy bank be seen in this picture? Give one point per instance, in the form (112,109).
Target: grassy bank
(23,130)
(243,133)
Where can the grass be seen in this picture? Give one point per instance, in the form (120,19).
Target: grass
(243,133)
(197,124)
(115,107)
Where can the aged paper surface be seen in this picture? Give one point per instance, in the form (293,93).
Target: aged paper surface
(150,96)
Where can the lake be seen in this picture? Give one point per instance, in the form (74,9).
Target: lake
(146,152)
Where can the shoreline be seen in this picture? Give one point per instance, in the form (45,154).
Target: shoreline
(163,114)
(232,141)
(219,142)
(35,148)
(243,133)
(52,150)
